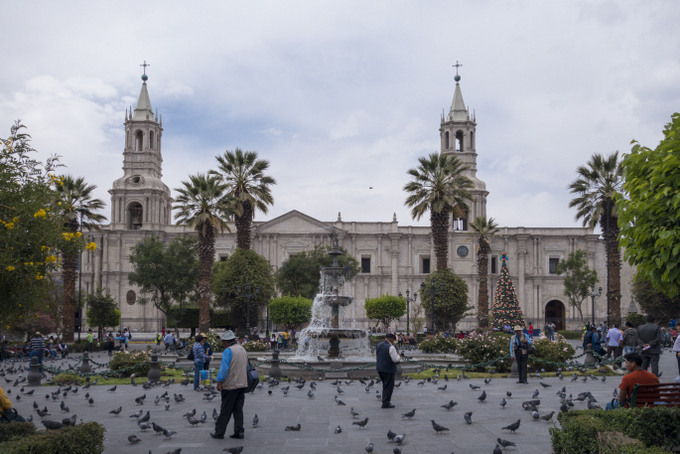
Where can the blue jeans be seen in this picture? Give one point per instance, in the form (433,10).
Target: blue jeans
(38,354)
(628,349)
(198,367)
(613,404)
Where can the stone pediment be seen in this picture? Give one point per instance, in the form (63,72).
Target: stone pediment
(297,223)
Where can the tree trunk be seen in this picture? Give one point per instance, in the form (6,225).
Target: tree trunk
(69,269)
(440,237)
(243,226)
(206,254)
(611,234)
(483,291)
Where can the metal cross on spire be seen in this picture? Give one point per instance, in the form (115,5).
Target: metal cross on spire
(145,64)
(457,65)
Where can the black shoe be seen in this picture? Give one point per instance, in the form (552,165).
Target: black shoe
(216,436)
(387,406)
(238,436)
(520,381)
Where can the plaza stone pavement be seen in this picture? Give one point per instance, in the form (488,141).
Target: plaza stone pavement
(320,416)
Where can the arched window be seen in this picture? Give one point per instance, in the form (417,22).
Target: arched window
(139,141)
(446,140)
(151,140)
(135,214)
(459,141)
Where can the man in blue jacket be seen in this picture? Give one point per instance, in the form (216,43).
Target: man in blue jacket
(386,359)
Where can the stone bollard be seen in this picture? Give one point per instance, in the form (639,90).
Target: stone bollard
(85,367)
(154,368)
(590,358)
(34,374)
(514,370)
(275,370)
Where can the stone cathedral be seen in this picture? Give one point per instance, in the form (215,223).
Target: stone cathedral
(393,257)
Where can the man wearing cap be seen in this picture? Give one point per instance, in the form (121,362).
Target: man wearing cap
(386,359)
(232,381)
(519,351)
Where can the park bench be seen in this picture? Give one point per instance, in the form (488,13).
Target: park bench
(655,395)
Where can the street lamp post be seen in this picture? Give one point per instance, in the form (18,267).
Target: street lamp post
(249,297)
(433,292)
(593,294)
(409,299)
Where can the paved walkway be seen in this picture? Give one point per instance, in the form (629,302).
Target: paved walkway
(320,416)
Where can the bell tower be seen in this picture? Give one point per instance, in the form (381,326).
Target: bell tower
(139,199)
(458,133)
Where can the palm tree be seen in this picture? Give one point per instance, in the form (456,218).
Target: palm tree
(485,230)
(78,210)
(202,205)
(596,188)
(440,186)
(247,187)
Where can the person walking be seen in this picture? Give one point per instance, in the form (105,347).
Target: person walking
(630,339)
(676,350)
(614,341)
(199,360)
(386,360)
(37,346)
(519,351)
(650,338)
(232,381)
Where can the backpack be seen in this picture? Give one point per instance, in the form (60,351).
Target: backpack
(190,356)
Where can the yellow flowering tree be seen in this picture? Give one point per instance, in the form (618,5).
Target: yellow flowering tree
(29,233)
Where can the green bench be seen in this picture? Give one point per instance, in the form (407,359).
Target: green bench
(667,394)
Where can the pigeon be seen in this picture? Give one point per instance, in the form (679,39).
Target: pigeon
(508,393)
(133,439)
(545,385)
(90,401)
(338,401)
(353,412)
(63,407)
(116,411)
(535,394)
(193,421)
(113,389)
(338,430)
(449,405)
(143,426)
(399,439)
(256,420)
(361,423)
(396,450)
(409,414)
(482,397)
(564,407)
(438,428)
(473,386)
(156,428)
(140,399)
(234,450)
(503,403)
(215,415)
(70,421)
(505,443)
(512,427)
(468,417)
(52,425)
(369,447)
(391,435)
(442,388)
(168,433)
(137,415)
(535,415)
(497,450)
(548,417)
(310,394)
(294,427)
(132,381)
(189,414)
(42,413)
(145,418)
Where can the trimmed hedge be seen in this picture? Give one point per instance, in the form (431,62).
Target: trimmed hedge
(573,335)
(86,438)
(16,430)
(590,431)
(188,317)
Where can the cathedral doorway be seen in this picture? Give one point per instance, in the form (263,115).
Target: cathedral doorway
(554,312)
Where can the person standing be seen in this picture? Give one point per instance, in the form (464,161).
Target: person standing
(597,343)
(650,338)
(386,360)
(199,360)
(676,350)
(110,341)
(232,381)
(208,353)
(630,339)
(37,346)
(614,340)
(90,340)
(168,341)
(519,351)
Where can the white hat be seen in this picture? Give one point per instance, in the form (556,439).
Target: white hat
(227,336)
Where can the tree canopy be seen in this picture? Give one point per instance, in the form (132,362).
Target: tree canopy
(299,274)
(164,271)
(451,300)
(102,310)
(290,311)
(385,309)
(650,210)
(653,301)
(579,279)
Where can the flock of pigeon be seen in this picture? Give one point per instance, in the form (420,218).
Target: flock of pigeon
(52,410)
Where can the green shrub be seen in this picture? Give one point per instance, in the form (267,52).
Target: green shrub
(573,335)
(255,346)
(655,427)
(86,438)
(68,378)
(481,346)
(16,430)
(125,364)
(439,344)
(636,319)
(558,351)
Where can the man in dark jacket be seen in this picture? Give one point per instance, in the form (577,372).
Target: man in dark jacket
(386,359)
(650,338)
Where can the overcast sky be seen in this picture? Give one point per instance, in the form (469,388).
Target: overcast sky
(342,96)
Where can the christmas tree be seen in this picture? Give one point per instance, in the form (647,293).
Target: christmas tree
(505,310)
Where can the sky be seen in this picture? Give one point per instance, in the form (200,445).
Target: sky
(342,98)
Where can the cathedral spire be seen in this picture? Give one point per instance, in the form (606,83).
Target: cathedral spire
(143,110)
(458,110)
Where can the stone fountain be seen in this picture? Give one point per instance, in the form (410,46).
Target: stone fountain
(330,334)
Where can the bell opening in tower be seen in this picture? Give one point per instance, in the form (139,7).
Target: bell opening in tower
(135,213)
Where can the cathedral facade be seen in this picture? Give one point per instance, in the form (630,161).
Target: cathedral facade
(393,257)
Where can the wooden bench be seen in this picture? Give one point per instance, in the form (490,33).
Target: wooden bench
(655,395)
